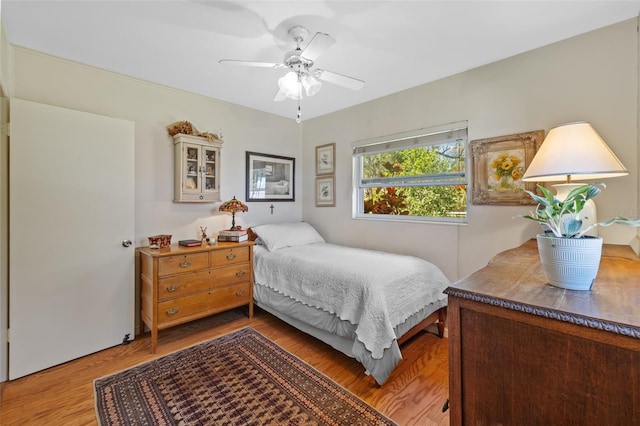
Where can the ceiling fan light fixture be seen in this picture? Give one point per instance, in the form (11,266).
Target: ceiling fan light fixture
(311,84)
(289,85)
(300,62)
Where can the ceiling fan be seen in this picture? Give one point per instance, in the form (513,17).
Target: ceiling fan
(300,62)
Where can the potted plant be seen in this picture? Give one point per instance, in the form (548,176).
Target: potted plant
(569,257)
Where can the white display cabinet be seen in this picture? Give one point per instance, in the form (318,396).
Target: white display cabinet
(197,169)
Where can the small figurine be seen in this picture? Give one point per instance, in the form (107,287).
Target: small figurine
(204,240)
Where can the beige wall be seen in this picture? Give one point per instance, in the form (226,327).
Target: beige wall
(591,77)
(45,79)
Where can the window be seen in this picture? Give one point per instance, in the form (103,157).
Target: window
(419,175)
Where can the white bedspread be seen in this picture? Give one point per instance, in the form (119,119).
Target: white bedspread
(373,290)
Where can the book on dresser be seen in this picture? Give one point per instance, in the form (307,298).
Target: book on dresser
(190,243)
(232,233)
(234,239)
(234,236)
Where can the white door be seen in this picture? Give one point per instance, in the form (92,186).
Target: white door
(71,206)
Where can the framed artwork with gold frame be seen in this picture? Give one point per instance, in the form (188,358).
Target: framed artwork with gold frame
(498,166)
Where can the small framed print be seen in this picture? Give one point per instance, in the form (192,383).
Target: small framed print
(325,191)
(325,159)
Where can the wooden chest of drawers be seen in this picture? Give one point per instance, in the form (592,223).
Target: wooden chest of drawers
(181,284)
(522,352)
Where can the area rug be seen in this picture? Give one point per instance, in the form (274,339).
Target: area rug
(239,379)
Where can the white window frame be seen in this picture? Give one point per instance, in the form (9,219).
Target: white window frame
(451,132)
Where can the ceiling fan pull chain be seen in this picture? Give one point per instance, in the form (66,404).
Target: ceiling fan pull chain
(299,116)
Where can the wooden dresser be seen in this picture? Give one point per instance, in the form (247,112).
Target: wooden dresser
(522,352)
(181,284)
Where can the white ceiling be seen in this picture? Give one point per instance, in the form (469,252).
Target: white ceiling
(391,45)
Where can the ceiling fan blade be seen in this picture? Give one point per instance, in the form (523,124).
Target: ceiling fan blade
(339,79)
(250,63)
(318,44)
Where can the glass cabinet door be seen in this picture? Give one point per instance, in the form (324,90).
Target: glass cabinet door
(210,165)
(192,168)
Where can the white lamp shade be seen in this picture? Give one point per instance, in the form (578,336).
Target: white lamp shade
(290,85)
(573,150)
(311,84)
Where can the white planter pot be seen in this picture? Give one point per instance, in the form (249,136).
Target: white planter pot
(570,263)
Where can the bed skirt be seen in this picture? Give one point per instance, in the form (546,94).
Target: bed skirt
(338,333)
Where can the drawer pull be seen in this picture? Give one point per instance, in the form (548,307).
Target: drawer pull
(231,256)
(173,287)
(239,292)
(172,311)
(185,264)
(239,273)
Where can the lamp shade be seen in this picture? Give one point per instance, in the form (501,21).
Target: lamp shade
(573,150)
(290,85)
(311,84)
(233,206)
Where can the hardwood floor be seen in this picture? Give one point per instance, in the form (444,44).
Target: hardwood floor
(63,395)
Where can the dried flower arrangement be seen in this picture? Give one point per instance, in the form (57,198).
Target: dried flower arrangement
(183,127)
(186,128)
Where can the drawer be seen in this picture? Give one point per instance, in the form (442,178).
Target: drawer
(199,305)
(229,256)
(182,263)
(171,287)
(232,274)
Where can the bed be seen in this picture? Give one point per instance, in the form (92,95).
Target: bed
(364,303)
(277,188)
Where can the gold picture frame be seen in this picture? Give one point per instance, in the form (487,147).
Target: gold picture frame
(498,166)
(326,159)
(325,191)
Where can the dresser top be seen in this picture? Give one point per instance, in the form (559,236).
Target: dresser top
(514,279)
(175,249)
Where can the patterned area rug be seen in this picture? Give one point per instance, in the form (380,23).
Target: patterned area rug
(239,379)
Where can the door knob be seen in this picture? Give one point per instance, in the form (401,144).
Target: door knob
(126,243)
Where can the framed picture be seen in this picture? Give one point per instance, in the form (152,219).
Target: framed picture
(325,191)
(326,159)
(498,166)
(270,177)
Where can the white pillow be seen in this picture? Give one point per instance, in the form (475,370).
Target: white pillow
(278,235)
